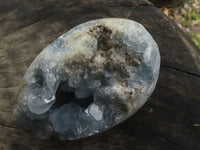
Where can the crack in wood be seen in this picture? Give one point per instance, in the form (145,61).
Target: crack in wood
(180,70)
(9,126)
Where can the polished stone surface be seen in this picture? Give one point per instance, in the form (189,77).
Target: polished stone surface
(88,80)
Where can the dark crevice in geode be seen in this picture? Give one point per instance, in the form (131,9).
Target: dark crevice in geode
(66,97)
(39,76)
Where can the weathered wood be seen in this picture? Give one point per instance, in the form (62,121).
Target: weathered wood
(168,3)
(166,122)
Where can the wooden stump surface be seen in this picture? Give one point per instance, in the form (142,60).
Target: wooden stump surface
(170,120)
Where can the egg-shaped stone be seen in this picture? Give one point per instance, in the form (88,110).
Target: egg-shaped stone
(88,80)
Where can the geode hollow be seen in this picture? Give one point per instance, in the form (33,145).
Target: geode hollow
(88,80)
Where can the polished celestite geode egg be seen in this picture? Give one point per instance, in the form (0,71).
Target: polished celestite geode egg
(88,80)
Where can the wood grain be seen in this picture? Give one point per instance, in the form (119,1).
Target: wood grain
(168,3)
(166,122)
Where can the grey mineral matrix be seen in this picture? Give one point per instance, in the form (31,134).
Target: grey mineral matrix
(88,80)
